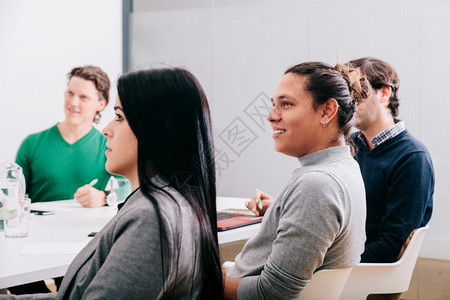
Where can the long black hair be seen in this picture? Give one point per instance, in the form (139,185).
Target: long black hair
(168,112)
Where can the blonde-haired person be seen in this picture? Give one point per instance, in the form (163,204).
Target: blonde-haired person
(317,222)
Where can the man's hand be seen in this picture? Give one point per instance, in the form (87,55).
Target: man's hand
(253,204)
(408,239)
(90,197)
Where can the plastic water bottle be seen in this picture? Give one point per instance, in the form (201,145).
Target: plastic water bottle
(12,185)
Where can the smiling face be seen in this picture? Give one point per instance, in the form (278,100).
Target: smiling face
(295,122)
(82,102)
(122,147)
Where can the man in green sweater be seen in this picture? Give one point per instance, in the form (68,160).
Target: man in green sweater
(58,163)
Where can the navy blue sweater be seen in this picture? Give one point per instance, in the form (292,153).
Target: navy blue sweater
(399,180)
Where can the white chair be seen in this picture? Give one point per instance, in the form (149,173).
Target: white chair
(384,278)
(325,284)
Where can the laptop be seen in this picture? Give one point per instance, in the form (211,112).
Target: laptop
(234,218)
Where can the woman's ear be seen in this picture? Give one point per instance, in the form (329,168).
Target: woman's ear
(329,110)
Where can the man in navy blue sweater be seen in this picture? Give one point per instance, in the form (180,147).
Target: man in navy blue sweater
(396,167)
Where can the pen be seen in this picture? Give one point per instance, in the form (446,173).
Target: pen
(259,201)
(93,182)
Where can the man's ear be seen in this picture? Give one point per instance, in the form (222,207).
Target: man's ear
(329,110)
(101,105)
(385,93)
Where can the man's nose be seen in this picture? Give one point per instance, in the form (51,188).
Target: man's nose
(74,100)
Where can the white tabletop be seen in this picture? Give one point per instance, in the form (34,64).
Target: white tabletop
(54,240)
(71,223)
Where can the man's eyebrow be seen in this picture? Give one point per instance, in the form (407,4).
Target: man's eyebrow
(118,107)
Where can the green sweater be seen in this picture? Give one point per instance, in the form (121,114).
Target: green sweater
(55,169)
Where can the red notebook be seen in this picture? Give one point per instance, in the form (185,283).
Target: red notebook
(235,218)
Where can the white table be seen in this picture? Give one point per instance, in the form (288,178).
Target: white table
(67,232)
(71,223)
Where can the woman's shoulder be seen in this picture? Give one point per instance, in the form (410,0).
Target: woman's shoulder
(168,202)
(140,214)
(319,183)
(137,203)
(314,178)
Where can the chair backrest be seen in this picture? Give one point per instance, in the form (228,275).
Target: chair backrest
(326,284)
(384,278)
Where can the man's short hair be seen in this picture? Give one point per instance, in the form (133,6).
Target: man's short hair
(379,73)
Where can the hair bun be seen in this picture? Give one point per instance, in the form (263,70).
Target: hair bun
(359,89)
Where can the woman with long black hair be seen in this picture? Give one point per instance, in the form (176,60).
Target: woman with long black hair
(162,244)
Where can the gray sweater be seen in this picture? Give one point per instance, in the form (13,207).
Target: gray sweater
(123,261)
(316,223)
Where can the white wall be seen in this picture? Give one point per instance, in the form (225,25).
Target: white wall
(40,42)
(239,50)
